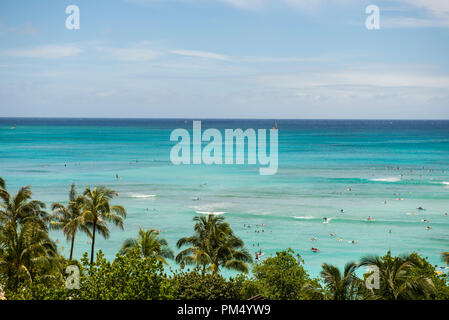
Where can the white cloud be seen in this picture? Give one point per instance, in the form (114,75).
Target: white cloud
(246,4)
(418,14)
(200,54)
(408,22)
(26,29)
(438,8)
(357,79)
(44,52)
(434,13)
(307,5)
(131,54)
(283,59)
(141,53)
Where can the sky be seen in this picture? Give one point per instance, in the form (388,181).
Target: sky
(276,59)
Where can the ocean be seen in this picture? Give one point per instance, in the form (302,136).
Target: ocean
(359,166)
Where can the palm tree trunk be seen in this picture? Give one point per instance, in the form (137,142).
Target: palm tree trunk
(214,269)
(93,243)
(16,282)
(71,247)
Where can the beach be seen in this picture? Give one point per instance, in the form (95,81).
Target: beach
(383,169)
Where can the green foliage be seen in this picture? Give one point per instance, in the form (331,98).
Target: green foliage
(248,286)
(342,286)
(43,288)
(128,277)
(424,269)
(283,277)
(195,285)
(26,251)
(401,278)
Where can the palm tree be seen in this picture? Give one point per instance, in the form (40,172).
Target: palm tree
(341,286)
(25,253)
(20,208)
(97,211)
(396,280)
(213,244)
(150,245)
(25,248)
(70,219)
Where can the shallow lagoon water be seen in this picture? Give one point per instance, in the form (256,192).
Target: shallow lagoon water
(320,161)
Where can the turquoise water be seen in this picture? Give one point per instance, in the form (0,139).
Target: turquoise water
(319,161)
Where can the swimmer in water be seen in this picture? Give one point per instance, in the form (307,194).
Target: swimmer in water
(368,219)
(340,239)
(324,219)
(342,211)
(313,239)
(332,234)
(428,227)
(389,231)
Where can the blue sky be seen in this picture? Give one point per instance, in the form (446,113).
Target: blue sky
(225,59)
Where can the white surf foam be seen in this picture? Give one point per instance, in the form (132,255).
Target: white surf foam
(210,212)
(391,179)
(142,195)
(304,218)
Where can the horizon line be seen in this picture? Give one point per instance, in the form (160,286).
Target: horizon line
(189,118)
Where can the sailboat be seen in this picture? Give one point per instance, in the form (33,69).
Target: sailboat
(275,126)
